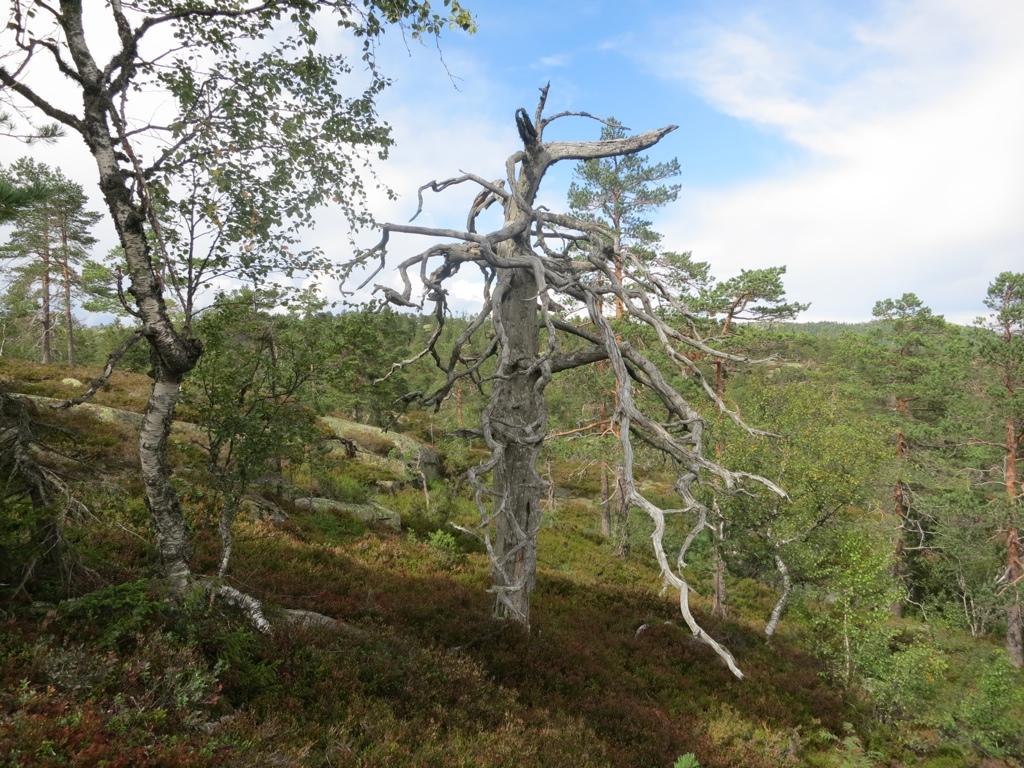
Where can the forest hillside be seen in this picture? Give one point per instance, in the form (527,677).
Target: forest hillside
(361,412)
(368,525)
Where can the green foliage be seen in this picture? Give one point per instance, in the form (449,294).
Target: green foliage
(752,295)
(622,191)
(247,390)
(447,546)
(14,199)
(443,541)
(20,529)
(343,487)
(906,678)
(120,613)
(585,688)
(329,527)
(49,248)
(688,760)
(991,715)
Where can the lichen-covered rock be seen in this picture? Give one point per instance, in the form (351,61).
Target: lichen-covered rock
(367,513)
(396,453)
(263,509)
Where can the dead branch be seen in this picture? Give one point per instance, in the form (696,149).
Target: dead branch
(108,369)
(532,264)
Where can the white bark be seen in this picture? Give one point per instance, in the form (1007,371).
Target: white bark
(780,604)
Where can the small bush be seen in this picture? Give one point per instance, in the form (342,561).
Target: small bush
(994,712)
(117,614)
(343,488)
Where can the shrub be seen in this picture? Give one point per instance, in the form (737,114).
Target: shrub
(118,614)
(343,488)
(993,713)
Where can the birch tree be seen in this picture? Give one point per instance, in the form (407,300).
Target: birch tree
(752,296)
(255,133)
(533,267)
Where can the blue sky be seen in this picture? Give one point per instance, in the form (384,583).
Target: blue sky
(872,147)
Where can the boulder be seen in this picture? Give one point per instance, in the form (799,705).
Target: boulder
(397,453)
(263,509)
(367,513)
(389,486)
(70,382)
(426,461)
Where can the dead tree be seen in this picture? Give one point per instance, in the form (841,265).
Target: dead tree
(534,257)
(24,475)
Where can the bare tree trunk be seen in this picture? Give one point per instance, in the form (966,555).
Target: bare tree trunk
(606,493)
(514,423)
(47,343)
(517,418)
(622,513)
(69,320)
(718,598)
(620,309)
(718,589)
(1014,566)
(606,504)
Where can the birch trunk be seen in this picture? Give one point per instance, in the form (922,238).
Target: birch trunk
(168,521)
(172,355)
(780,605)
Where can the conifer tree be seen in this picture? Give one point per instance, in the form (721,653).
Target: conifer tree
(620,192)
(904,358)
(50,245)
(756,296)
(1003,350)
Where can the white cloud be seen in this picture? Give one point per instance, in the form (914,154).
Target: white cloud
(912,175)
(439,132)
(437,129)
(553,61)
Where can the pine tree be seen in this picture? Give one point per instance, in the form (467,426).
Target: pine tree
(903,360)
(1003,350)
(50,245)
(620,192)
